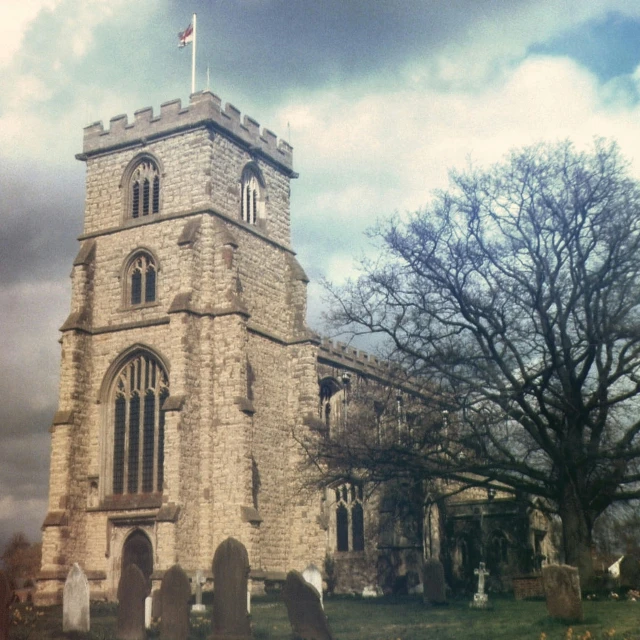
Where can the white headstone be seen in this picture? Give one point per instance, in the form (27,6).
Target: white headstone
(147,612)
(371,591)
(480,599)
(199,580)
(313,576)
(75,601)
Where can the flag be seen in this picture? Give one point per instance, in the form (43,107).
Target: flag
(186,37)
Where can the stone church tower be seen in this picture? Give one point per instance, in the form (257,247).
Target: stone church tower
(186,361)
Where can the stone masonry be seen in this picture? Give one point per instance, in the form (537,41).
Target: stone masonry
(227,327)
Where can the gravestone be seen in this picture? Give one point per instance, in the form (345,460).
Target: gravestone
(132,592)
(313,576)
(75,601)
(175,592)
(148,604)
(434,586)
(630,571)
(199,580)
(480,599)
(230,580)
(6,598)
(562,592)
(156,604)
(306,616)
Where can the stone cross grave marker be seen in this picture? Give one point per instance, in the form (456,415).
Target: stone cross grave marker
(175,592)
(480,599)
(306,616)
(313,576)
(230,580)
(433,582)
(562,591)
(75,601)
(198,580)
(132,592)
(6,597)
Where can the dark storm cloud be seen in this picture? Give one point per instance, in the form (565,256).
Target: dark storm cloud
(42,214)
(277,46)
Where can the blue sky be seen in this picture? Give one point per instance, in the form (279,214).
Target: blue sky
(378,97)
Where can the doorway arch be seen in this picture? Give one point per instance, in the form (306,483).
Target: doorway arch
(137,549)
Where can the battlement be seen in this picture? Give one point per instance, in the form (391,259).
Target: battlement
(205,108)
(350,357)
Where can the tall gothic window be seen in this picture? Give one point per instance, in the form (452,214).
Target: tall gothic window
(141,280)
(252,196)
(140,388)
(349,518)
(144,197)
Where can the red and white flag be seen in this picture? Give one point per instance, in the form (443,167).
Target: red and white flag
(186,37)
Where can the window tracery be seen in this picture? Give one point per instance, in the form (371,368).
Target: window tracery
(137,465)
(144,190)
(141,279)
(349,517)
(252,196)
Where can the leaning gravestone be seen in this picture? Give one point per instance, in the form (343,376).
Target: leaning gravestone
(630,571)
(433,582)
(313,576)
(230,619)
(75,601)
(175,592)
(6,597)
(306,615)
(132,592)
(562,592)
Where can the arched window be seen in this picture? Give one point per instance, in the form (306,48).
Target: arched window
(139,389)
(252,196)
(140,279)
(349,518)
(332,400)
(144,189)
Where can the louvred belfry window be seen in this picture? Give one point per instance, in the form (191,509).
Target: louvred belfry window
(252,196)
(145,190)
(141,387)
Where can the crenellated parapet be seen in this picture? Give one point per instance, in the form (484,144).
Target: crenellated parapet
(204,109)
(341,354)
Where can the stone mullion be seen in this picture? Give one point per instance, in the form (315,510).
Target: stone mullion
(143,364)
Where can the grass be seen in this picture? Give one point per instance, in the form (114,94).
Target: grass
(382,619)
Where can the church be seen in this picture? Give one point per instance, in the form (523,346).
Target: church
(187,367)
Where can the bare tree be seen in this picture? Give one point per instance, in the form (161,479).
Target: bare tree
(21,559)
(513,302)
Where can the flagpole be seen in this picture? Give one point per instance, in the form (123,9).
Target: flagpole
(193,57)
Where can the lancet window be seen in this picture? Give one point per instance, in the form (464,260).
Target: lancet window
(139,389)
(141,279)
(144,197)
(349,517)
(252,196)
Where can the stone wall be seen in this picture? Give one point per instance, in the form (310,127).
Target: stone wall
(227,324)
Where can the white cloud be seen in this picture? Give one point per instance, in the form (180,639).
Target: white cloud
(15,17)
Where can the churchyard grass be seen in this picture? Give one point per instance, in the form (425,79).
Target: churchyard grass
(386,619)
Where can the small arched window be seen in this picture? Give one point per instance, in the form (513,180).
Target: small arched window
(137,458)
(141,280)
(144,186)
(252,206)
(331,409)
(349,518)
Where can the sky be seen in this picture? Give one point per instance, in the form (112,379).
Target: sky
(379,98)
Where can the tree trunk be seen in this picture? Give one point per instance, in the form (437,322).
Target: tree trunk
(576,534)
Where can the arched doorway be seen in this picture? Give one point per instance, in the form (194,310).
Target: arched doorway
(137,550)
